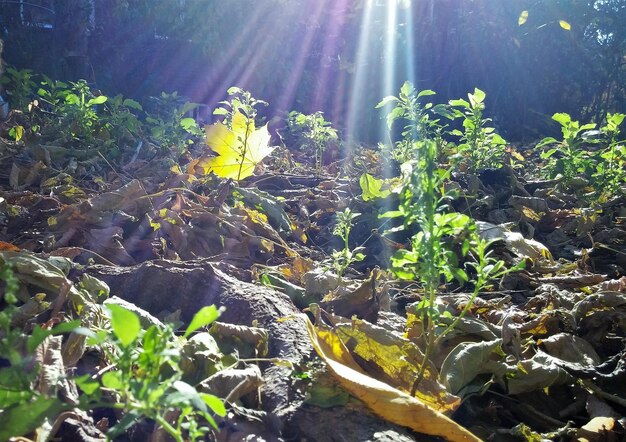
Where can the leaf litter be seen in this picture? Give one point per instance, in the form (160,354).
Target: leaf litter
(540,356)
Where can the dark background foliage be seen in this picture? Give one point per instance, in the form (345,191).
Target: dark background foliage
(303,54)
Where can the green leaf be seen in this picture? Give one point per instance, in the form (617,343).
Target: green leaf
(132,104)
(39,333)
(214,403)
(565,25)
(126,325)
(188,123)
(186,394)
(477,97)
(112,379)
(562,118)
(205,316)
(88,385)
(97,100)
(546,141)
(460,103)
(522,18)
(372,187)
(425,93)
(407,89)
(385,101)
(26,417)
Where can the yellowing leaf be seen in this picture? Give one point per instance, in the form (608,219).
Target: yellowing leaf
(565,25)
(239,150)
(384,400)
(522,18)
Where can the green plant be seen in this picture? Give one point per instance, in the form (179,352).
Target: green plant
(147,377)
(78,110)
(25,402)
(567,158)
(421,120)
(441,237)
(480,147)
(610,171)
(20,86)
(240,101)
(341,259)
(168,126)
(120,119)
(312,133)
(144,378)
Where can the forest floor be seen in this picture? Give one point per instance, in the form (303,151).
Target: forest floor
(539,355)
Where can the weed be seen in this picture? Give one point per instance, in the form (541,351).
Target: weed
(610,173)
(567,158)
(312,133)
(20,86)
(342,259)
(241,101)
(421,120)
(169,127)
(147,377)
(441,236)
(480,147)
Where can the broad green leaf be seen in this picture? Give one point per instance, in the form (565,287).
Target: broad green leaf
(112,379)
(39,334)
(132,104)
(186,394)
(425,93)
(522,18)
(562,118)
(372,187)
(17,132)
(477,97)
(565,25)
(546,141)
(187,123)
(126,325)
(460,103)
(407,89)
(9,398)
(205,316)
(26,417)
(88,385)
(97,100)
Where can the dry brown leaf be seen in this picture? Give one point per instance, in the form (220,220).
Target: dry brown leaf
(387,402)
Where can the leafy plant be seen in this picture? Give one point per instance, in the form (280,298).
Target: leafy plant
(242,102)
(441,237)
(610,171)
(421,120)
(312,133)
(480,147)
(568,157)
(344,258)
(169,127)
(20,86)
(78,110)
(148,378)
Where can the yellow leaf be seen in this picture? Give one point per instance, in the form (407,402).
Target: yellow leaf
(565,25)
(522,18)
(238,150)
(384,400)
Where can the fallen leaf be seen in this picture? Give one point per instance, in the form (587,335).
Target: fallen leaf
(387,402)
(238,150)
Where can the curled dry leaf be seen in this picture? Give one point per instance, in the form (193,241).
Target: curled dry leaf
(387,402)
